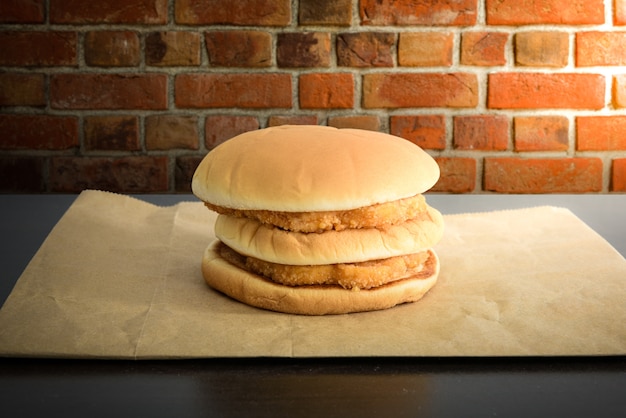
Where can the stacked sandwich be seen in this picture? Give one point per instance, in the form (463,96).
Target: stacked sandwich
(317,220)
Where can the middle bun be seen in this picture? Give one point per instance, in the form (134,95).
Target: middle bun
(252,238)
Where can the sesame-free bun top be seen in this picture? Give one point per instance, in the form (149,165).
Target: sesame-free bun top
(312,168)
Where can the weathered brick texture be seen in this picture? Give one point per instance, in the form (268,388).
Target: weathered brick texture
(542,49)
(108,91)
(534,12)
(109,133)
(618,177)
(123,174)
(541,133)
(543,175)
(365,49)
(165,132)
(546,91)
(18,11)
(458,175)
(619,15)
(481,132)
(303,50)
(601,133)
(173,48)
(220,128)
(427,12)
(509,96)
(425,49)
(600,48)
(38,132)
(233,90)
(426,131)
(326,91)
(108,11)
(17,89)
(38,48)
(112,49)
(325,12)
(183,172)
(239,48)
(483,48)
(401,90)
(229,12)
(619,91)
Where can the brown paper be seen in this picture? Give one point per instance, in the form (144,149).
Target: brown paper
(120,278)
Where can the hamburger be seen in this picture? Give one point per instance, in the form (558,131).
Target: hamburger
(316,220)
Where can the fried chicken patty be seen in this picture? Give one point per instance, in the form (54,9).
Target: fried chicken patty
(352,276)
(379,215)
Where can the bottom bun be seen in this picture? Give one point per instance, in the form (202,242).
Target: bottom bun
(255,290)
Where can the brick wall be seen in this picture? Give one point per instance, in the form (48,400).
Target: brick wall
(510,96)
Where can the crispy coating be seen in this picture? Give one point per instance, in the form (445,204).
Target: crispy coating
(353,276)
(375,216)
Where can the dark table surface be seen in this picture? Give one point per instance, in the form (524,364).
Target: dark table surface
(389,387)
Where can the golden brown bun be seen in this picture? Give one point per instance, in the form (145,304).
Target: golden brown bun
(257,291)
(301,169)
(251,238)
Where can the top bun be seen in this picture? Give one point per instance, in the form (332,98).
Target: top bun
(312,168)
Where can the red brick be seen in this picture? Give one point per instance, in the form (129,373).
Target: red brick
(278,120)
(619,13)
(545,91)
(541,133)
(228,12)
(425,49)
(253,90)
(40,49)
(458,175)
(543,175)
(600,48)
(303,49)
(108,11)
(481,132)
(22,89)
(183,172)
(140,174)
(173,48)
(218,129)
(426,12)
(21,174)
(325,12)
(618,175)
(239,48)
(112,49)
(542,49)
(399,90)
(366,122)
(426,131)
(164,132)
(483,48)
(601,133)
(365,49)
(619,91)
(326,91)
(535,12)
(22,11)
(108,91)
(38,132)
(119,133)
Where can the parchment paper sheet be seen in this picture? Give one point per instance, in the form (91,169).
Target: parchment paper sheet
(120,278)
